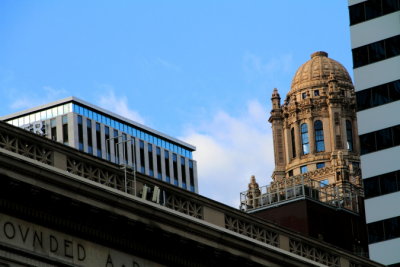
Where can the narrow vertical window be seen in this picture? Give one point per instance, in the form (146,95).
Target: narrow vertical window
(116,146)
(304,139)
(183,172)
(125,148)
(150,154)
(191,175)
(89,136)
(158,151)
(293,143)
(53,131)
(141,152)
(107,137)
(80,133)
(65,129)
(303,169)
(175,168)
(319,136)
(133,150)
(167,174)
(349,134)
(98,139)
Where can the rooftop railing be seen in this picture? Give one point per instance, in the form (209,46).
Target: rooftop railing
(344,195)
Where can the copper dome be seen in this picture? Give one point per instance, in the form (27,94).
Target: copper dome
(316,71)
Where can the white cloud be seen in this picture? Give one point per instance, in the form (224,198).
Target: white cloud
(230,150)
(119,105)
(28,99)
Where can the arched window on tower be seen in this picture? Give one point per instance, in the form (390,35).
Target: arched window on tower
(319,136)
(304,139)
(293,143)
(349,133)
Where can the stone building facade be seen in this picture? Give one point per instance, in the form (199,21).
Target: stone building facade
(316,188)
(315,129)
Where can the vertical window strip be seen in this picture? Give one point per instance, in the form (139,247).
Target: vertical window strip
(53,130)
(349,134)
(108,142)
(304,139)
(65,129)
(151,163)
(80,133)
(319,136)
(293,143)
(98,139)
(167,169)
(158,151)
(191,176)
(116,146)
(183,172)
(89,136)
(141,150)
(175,168)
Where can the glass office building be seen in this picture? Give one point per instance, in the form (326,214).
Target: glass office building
(375,43)
(104,134)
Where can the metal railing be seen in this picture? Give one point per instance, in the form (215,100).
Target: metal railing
(344,195)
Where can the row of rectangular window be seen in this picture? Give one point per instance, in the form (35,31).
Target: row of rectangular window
(53,129)
(131,130)
(318,135)
(319,138)
(376,51)
(378,140)
(158,175)
(372,9)
(70,107)
(65,137)
(382,184)
(42,115)
(383,230)
(378,95)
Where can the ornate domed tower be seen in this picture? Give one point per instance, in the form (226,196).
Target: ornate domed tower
(314,130)
(316,182)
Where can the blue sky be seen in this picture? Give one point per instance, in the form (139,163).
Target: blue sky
(202,71)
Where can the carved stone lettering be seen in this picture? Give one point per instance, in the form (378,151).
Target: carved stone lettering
(109,262)
(81,252)
(23,235)
(68,249)
(53,243)
(60,246)
(9,230)
(37,239)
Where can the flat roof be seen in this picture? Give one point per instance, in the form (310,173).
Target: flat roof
(99,109)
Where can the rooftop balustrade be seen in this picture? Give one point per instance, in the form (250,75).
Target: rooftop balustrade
(344,195)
